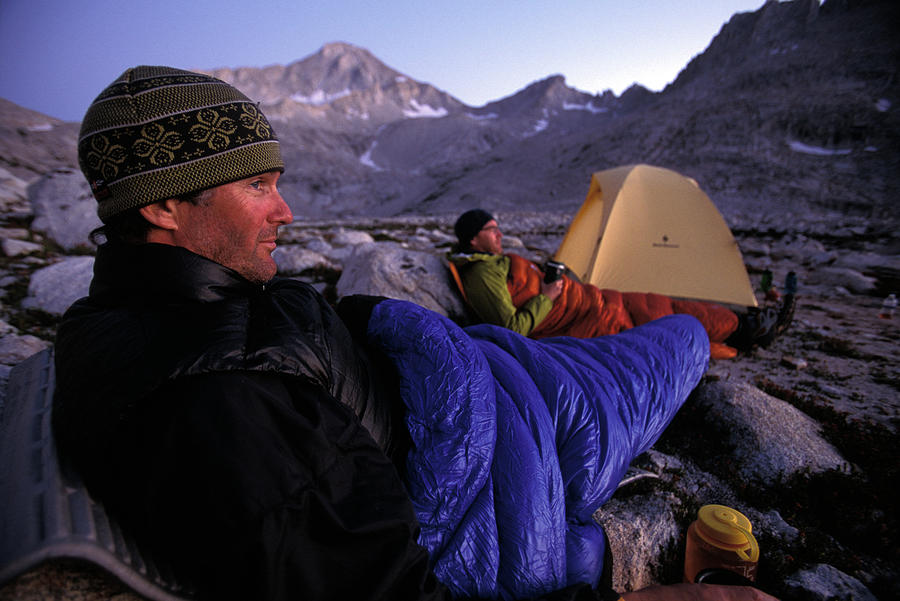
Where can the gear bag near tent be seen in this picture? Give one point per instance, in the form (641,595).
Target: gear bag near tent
(648,229)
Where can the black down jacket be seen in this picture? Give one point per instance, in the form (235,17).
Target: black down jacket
(213,418)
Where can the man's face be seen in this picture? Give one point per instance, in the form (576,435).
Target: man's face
(489,239)
(236,225)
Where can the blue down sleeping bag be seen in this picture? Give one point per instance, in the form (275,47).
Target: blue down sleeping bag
(516,442)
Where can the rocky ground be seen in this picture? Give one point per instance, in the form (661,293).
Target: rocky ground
(811,462)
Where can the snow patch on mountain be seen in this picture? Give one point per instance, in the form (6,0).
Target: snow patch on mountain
(816,150)
(320,97)
(589,107)
(366,158)
(40,127)
(423,111)
(485,117)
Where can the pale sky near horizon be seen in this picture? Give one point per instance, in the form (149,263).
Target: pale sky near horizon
(56,55)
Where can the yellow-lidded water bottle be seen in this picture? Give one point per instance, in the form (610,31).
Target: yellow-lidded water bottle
(720,538)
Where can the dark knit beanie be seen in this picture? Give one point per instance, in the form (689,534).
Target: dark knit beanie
(158,132)
(469,224)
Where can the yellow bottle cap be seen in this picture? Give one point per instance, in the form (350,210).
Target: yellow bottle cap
(728,528)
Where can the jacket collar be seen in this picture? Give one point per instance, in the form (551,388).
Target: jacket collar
(460,258)
(161,269)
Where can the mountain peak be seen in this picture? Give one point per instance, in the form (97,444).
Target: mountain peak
(794,87)
(336,70)
(547,94)
(333,49)
(753,39)
(340,67)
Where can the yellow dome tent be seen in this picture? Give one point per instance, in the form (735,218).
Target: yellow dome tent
(649,229)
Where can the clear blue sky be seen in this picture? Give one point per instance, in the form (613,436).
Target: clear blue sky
(56,55)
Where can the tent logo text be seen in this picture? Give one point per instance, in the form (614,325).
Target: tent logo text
(665,243)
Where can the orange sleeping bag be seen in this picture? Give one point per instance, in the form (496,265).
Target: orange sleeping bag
(585,311)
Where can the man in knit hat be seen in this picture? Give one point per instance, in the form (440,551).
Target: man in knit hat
(203,402)
(483,269)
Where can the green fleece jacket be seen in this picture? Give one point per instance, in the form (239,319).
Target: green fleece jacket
(483,278)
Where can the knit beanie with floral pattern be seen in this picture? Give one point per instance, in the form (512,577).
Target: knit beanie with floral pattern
(158,132)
